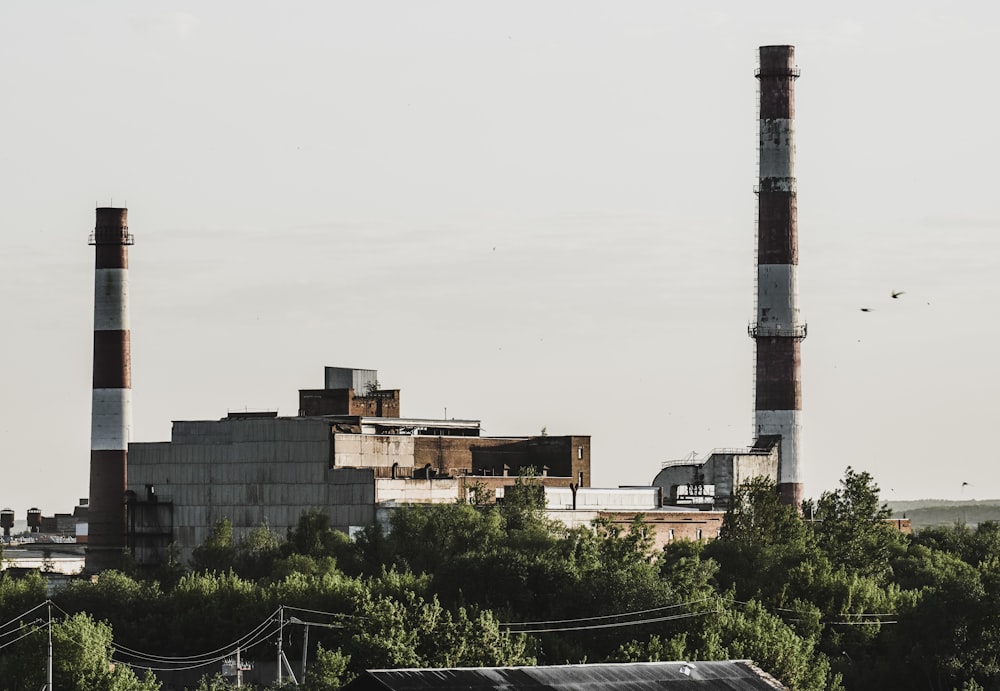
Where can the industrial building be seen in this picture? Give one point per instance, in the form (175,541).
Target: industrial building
(347,452)
(709,483)
(619,507)
(350,453)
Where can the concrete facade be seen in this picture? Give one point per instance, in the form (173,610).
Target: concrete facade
(258,469)
(711,481)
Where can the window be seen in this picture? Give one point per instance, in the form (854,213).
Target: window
(698,534)
(579,453)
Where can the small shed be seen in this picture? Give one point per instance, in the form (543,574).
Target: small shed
(724,675)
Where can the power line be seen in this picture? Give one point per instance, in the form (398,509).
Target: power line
(637,622)
(23,614)
(328,614)
(187,658)
(261,638)
(25,635)
(869,622)
(605,616)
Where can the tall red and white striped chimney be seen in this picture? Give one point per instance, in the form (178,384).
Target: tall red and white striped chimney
(777,331)
(111,411)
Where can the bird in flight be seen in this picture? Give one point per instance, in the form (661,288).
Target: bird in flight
(897,293)
(867,309)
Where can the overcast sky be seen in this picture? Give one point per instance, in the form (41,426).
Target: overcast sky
(534,214)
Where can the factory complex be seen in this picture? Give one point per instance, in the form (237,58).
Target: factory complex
(350,452)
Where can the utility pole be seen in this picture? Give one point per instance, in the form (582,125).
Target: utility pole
(48,671)
(281,624)
(305,649)
(239,669)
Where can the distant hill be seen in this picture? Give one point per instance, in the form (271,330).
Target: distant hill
(938,512)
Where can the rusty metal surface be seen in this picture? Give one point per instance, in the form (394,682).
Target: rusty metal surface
(777,75)
(778,383)
(106,514)
(791,493)
(725,675)
(777,228)
(111,227)
(112,360)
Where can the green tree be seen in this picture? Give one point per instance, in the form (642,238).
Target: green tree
(215,682)
(851,527)
(523,504)
(950,634)
(257,552)
(756,516)
(750,631)
(760,540)
(18,595)
(313,537)
(690,573)
(133,608)
(82,660)
(218,552)
(411,631)
(328,672)
(427,538)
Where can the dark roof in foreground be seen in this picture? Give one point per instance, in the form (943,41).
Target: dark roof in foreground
(728,675)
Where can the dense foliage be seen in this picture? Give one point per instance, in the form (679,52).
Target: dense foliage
(832,597)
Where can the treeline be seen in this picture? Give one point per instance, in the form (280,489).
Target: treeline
(841,601)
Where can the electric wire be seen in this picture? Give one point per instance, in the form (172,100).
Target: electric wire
(260,638)
(864,622)
(24,635)
(605,616)
(212,655)
(267,628)
(240,642)
(23,614)
(636,622)
(264,635)
(328,614)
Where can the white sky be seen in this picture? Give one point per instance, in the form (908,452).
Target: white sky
(535,214)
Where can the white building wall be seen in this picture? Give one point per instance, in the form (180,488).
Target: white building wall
(614,499)
(373,450)
(414,491)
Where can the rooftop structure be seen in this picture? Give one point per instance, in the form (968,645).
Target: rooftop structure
(725,675)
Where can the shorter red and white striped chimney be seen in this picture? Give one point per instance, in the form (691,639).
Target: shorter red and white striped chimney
(111,410)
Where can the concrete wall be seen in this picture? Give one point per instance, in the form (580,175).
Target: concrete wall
(590,498)
(352,498)
(749,466)
(251,471)
(726,470)
(349,378)
(316,402)
(417,491)
(565,457)
(373,451)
